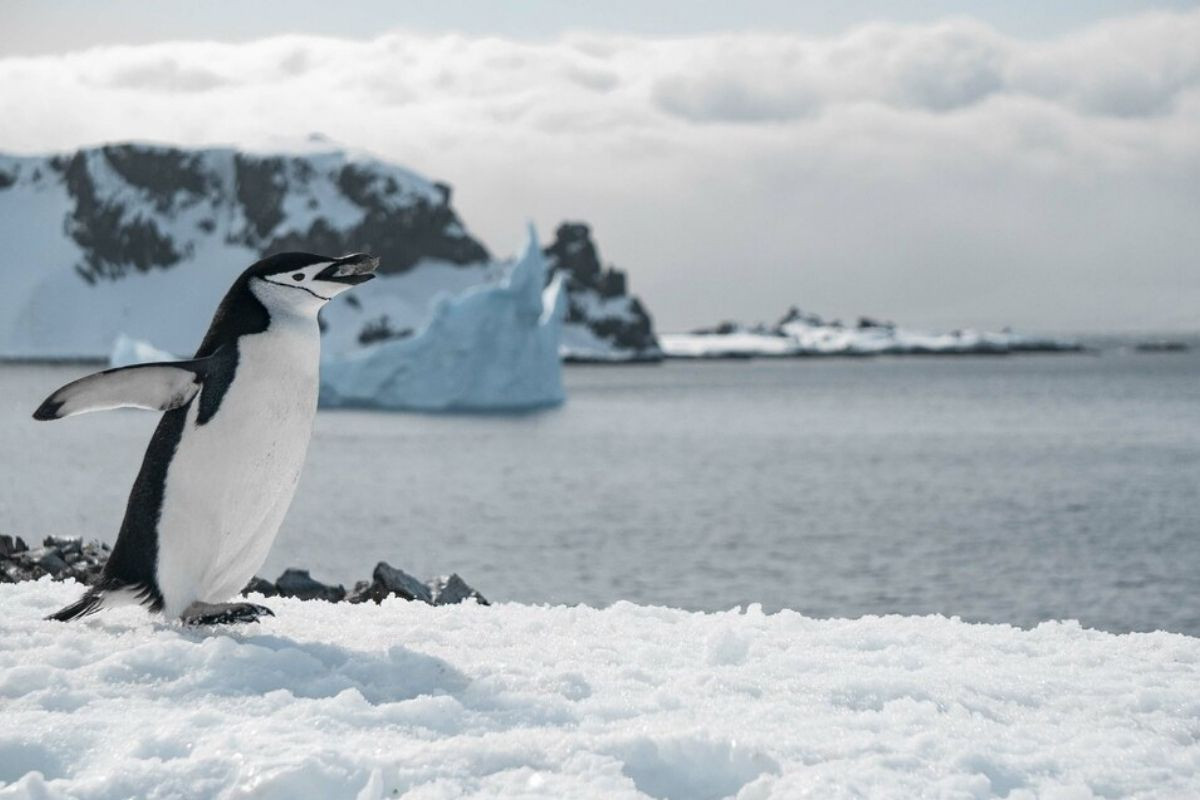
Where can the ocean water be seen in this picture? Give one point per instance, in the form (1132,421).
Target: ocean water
(1014,489)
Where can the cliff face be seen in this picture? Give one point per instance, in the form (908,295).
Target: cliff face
(603,322)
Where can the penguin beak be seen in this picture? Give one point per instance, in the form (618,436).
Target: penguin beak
(352,269)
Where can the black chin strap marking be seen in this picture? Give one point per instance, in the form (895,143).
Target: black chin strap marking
(301,288)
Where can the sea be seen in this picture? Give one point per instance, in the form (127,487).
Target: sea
(1011,489)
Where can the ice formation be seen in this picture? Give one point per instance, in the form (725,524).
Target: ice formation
(492,347)
(407,699)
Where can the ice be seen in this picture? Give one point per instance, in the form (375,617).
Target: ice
(492,347)
(127,351)
(407,699)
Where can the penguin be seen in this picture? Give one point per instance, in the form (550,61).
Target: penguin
(222,466)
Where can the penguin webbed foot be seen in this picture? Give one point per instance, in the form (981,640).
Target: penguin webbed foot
(224,613)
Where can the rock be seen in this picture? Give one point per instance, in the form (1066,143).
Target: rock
(448,590)
(7,546)
(261,586)
(49,560)
(19,546)
(298,583)
(599,303)
(387,581)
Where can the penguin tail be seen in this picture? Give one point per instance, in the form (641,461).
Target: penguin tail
(90,603)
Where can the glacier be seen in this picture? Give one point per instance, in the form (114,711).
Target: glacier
(625,702)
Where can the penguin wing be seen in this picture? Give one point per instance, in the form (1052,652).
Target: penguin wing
(156,387)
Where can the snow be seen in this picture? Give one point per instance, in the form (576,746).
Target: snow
(406,699)
(807,335)
(493,347)
(50,311)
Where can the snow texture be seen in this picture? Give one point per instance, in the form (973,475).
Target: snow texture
(492,348)
(407,699)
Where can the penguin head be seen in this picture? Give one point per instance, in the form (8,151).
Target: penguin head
(304,282)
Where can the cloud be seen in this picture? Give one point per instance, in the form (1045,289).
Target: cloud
(924,172)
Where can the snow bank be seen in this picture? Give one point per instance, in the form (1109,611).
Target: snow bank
(406,699)
(493,347)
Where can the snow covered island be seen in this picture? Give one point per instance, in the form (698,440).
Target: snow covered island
(407,699)
(801,334)
(143,240)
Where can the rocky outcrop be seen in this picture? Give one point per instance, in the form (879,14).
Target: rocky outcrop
(62,558)
(142,207)
(604,322)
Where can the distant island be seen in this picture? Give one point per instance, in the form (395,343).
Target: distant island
(800,334)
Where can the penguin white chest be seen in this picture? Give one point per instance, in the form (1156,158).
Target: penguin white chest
(233,476)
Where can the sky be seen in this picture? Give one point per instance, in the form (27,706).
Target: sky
(943,165)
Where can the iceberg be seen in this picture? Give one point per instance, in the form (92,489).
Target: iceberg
(127,351)
(494,347)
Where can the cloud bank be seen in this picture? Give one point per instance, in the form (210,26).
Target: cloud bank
(942,174)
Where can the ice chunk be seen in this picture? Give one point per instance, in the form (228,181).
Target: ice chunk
(492,348)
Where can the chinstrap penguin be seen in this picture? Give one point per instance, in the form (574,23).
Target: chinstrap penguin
(223,463)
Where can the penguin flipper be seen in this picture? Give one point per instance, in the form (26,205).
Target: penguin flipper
(155,387)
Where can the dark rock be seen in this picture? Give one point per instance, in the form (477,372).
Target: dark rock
(448,590)
(298,583)
(49,560)
(19,545)
(112,241)
(261,586)
(387,581)
(7,546)
(1162,346)
(574,254)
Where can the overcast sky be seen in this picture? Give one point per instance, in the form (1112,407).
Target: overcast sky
(944,165)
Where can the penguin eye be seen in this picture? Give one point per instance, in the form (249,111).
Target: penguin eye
(299,276)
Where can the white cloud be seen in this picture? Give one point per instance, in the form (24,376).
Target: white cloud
(939,173)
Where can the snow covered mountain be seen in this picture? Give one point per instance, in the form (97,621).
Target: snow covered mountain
(604,322)
(806,334)
(144,239)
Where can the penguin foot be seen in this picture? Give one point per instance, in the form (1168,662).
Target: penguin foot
(224,613)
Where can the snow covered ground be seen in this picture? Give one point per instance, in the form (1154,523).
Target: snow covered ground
(405,699)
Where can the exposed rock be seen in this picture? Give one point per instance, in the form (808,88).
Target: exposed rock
(138,207)
(448,590)
(261,586)
(612,325)
(298,583)
(63,558)
(387,581)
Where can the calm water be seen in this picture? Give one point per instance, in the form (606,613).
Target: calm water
(999,489)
